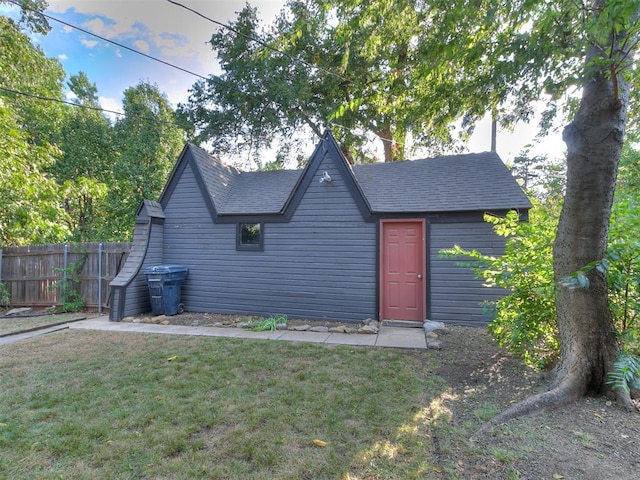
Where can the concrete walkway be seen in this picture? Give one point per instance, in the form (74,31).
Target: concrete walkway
(6,340)
(395,337)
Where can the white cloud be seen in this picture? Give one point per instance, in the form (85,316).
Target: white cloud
(63,56)
(141,45)
(176,32)
(112,104)
(67,29)
(88,43)
(118,53)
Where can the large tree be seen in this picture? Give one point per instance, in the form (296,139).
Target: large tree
(29,208)
(594,137)
(83,170)
(382,70)
(148,142)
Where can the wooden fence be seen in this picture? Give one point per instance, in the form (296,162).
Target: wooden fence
(34,275)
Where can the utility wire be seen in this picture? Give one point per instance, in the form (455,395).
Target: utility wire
(87,107)
(213,78)
(260,42)
(107,40)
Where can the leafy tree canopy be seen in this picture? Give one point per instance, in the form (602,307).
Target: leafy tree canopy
(148,141)
(401,71)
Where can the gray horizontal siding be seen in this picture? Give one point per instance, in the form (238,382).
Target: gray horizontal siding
(320,265)
(454,291)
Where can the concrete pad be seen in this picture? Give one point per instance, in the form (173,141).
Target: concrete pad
(402,323)
(267,335)
(352,339)
(401,338)
(395,337)
(311,337)
(212,332)
(9,339)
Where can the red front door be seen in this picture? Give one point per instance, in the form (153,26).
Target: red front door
(402,265)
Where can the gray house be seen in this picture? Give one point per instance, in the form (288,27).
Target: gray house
(329,242)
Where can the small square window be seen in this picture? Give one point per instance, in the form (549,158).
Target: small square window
(250,236)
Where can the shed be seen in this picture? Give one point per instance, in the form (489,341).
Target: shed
(328,242)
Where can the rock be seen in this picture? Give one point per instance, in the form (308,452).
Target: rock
(319,329)
(350,330)
(281,326)
(158,319)
(195,323)
(301,328)
(434,345)
(18,311)
(338,329)
(245,325)
(165,322)
(431,326)
(368,329)
(432,335)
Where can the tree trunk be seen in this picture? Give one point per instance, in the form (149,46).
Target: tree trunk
(588,343)
(594,142)
(393,147)
(384,133)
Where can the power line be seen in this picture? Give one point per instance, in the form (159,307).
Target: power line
(87,107)
(212,78)
(108,40)
(260,42)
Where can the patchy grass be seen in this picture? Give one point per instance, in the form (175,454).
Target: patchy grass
(86,405)
(140,406)
(10,325)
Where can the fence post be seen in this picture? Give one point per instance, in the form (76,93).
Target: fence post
(99,278)
(65,264)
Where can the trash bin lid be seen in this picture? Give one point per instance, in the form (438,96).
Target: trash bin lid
(165,269)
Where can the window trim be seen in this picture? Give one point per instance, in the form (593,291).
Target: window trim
(249,247)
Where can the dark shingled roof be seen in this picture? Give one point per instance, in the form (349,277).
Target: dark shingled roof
(476,181)
(260,192)
(240,193)
(217,175)
(471,182)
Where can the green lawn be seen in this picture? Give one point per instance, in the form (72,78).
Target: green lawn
(88,405)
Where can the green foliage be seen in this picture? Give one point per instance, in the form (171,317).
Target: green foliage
(147,142)
(31,15)
(525,320)
(67,173)
(388,70)
(29,208)
(84,169)
(625,373)
(382,70)
(5,296)
(269,323)
(71,299)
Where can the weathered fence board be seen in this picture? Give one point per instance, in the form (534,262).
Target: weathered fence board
(32,274)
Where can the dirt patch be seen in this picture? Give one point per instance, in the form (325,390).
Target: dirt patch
(592,438)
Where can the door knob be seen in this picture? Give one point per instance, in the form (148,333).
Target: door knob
(420,276)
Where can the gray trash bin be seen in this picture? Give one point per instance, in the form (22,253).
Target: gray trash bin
(165,288)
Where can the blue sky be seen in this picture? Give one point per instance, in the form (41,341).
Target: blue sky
(175,35)
(155,27)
